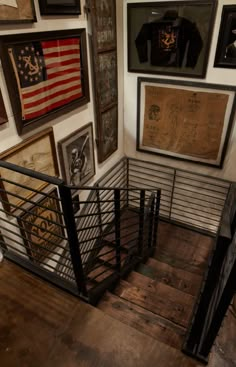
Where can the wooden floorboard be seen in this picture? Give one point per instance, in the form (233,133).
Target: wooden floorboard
(165,301)
(143,320)
(174,277)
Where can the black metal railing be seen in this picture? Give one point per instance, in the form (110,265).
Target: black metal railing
(81,243)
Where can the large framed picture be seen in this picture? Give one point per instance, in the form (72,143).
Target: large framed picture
(17,11)
(185,120)
(76,153)
(59,7)
(171,38)
(46,74)
(3,114)
(226,46)
(37,153)
(41,226)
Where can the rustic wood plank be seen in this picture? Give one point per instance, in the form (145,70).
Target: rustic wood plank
(174,277)
(143,320)
(166,301)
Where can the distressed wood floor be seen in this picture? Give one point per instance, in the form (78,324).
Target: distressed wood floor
(42,326)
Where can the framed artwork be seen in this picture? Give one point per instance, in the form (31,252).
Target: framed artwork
(76,153)
(2,242)
(41,226)
(17,11)
(109,132)
(171,38)
(185,120)
(3,114)
(103,17)
(59,7)
(226,46)
(107,91)
(37,153)
(46,74)
(104,47)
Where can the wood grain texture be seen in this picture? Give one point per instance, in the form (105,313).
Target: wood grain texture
(143,320)
(167,302)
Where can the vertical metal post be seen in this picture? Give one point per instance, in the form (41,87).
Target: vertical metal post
(141,222)
(127,182)
(117,227)
(172,194)
(99,211)
(67,208)
(150,223)
(156,217)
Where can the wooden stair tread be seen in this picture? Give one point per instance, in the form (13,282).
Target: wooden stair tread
(177,278)
(108,254)
(143,320)
(166,301)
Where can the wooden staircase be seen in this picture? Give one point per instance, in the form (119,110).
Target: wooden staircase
(157,298)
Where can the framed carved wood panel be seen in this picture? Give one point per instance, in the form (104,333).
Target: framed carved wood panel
(104,51)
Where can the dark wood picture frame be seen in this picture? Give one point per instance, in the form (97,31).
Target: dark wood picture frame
(104,52)
(76,153)
(154,31)
(34,219)
(3,114)
(184,120)
(46,75)
(226,46)
(20,11)
(60,7)
(37,153)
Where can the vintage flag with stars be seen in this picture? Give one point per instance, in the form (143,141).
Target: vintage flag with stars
(48,74)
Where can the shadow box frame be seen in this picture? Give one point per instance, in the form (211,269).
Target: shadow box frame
(227,25)
(9,204)
(13,18)
(62,8)
(10,44)
(65,147)
(168,100)
(103,40)
(35,212)
(138,14)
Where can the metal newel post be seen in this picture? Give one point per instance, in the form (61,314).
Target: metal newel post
(151,220)
(67,207)
(156,217)
(141,222)
(117,227)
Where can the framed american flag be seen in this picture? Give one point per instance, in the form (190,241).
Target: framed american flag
(46,75)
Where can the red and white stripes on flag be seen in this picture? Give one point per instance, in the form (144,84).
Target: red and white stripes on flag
(62,83)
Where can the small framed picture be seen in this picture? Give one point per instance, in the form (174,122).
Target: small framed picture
(59,7)
(46,74)
(41,225)
(17,11)
(76,154)
(109,132)
(37,153)
(3,114)
(170,37)
(226,46)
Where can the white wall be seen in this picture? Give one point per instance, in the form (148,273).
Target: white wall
(69,122)
(214,75)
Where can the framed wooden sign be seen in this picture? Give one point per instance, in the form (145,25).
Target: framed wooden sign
(185,120)
(37,153)
(42,227)
(17,11)
(3,114)
(104,48)
(76,153)
(59,7)
(226,46)
(46,74)
(170,37)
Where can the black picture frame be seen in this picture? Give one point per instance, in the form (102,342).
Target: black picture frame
(60,7)
(226,46)
(160,26)
(20,11)
(44,81)
(189,121)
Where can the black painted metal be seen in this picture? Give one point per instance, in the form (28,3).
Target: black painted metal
(117,228)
